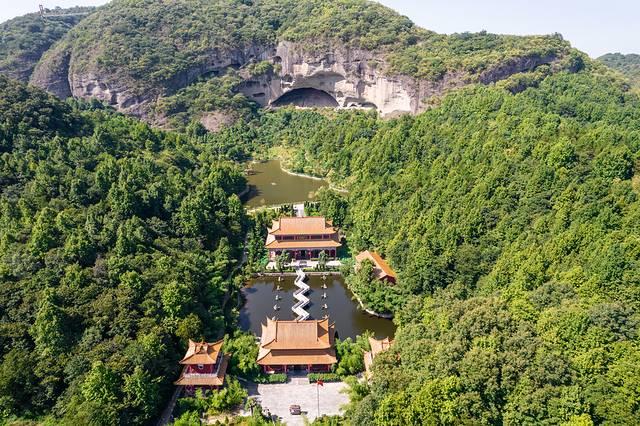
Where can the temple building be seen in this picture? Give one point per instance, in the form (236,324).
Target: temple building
(381,268)
(377,346)
(302,238)
(297,345)
(204,366)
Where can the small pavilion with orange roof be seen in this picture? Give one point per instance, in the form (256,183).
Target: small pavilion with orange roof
(381,268)
(377,346)
(205,366)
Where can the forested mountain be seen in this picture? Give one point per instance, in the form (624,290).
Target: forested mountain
(23,40)
(134,54)
(509,208)
(629,65)
(116,241)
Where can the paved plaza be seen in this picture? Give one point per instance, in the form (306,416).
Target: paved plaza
(278,398)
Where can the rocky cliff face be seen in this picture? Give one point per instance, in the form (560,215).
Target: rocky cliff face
(357,79)
(348,78)
(59,74)
(353,78)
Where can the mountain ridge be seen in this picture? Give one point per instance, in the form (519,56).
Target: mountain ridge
(133,54)
(24,39)
(628,65)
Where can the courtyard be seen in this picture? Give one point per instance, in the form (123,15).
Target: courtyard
(276,399)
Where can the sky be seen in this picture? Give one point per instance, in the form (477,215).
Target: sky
(593,26)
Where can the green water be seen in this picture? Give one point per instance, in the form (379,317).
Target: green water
(335,300)
(269,185)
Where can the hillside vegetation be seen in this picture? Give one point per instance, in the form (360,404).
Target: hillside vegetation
(513,223)
(510,211)
(629,65)
(152,42)
(134,53)
(23,40)
(116,241)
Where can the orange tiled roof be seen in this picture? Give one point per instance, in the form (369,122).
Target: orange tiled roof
(312,334)
(299,357)
(272,243)
(381,267)
(377,346)
(204,379)
(308,225)
(202,352)
(297,342)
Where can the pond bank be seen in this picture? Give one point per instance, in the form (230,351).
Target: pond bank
(369,311)
(332,186)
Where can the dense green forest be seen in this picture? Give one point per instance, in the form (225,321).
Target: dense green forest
(24,39)
(510,211)
(629,65)
(116,241)
(512,220)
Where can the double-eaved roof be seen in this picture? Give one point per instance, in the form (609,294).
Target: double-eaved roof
(308,225)
(202,352)
(297,342)
(213,379)
(310,232)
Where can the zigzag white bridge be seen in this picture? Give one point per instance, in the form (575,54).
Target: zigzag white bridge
(300,295)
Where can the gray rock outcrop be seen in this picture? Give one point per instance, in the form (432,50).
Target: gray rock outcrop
(351,78)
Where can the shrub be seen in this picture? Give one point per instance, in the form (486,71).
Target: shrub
(351,355)
(325,377)
(272,378)
(227,398)
(277,378)
(245,351)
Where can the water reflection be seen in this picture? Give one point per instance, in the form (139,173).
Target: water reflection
(270,185)
(350,321)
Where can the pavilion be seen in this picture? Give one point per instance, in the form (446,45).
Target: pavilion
(205,366)
(297,345)
(381,268)
(377,346)
(302,238)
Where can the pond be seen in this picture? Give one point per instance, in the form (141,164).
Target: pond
(269,184)
(260,294)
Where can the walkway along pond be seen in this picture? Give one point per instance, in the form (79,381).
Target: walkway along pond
(260,294)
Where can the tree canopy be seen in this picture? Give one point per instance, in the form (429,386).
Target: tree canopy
(116,245)
(23,40)
(511,219)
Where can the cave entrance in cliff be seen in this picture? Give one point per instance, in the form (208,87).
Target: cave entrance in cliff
(306,97)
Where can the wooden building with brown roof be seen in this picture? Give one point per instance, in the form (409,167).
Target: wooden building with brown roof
(302,237)
(381,268)
(297,345)
(205,366)
(377,346)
